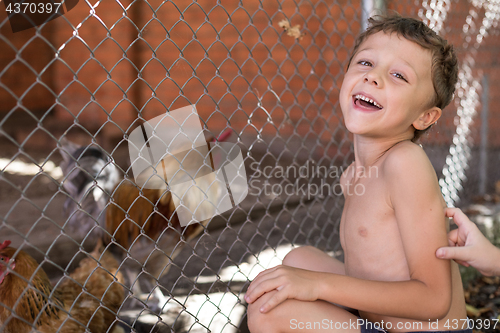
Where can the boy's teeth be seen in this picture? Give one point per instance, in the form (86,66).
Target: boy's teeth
(366,99)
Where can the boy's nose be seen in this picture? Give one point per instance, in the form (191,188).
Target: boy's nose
(370,77)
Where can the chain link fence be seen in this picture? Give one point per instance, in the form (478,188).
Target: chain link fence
(266,73)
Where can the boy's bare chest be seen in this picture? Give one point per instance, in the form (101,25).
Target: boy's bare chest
(369,231)
(367,212)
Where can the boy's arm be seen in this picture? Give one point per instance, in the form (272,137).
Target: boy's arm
(418,206)
(417,202)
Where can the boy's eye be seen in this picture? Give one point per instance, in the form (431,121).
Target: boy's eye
(400,76)
(364,63)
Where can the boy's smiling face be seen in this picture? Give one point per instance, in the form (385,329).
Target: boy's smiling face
(388,89)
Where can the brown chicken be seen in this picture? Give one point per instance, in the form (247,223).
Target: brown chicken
(141,223)
(87,300)
(131,212)
(145,224)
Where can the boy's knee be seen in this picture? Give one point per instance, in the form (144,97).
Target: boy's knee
(254,319)
(299,257)
(258,321)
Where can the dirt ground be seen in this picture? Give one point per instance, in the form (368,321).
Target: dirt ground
(206,282)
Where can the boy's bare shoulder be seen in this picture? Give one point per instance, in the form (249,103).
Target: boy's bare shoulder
(406,158)
(409,175)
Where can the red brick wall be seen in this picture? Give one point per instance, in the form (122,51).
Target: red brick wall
(93,76)
(223,57)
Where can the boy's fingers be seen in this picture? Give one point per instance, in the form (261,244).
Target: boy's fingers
(274,301)
(260,290)
(266,273)
(262,276)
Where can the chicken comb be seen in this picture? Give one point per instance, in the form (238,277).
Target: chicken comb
(4,244)
(226,134)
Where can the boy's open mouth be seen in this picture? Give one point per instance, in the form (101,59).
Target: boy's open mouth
(366,102)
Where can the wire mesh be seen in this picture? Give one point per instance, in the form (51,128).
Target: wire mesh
(73,90)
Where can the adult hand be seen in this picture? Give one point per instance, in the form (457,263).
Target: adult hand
(469,247)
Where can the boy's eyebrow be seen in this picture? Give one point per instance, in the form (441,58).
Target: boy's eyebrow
(365,49)
(411,67)
(404,60)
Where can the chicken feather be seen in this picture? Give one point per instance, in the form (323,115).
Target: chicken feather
(88,299)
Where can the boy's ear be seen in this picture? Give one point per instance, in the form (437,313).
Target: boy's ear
(427,118)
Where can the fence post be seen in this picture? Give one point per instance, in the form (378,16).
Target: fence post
(483,152)
(370,8)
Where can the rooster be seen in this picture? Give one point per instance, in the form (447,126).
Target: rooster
(87,300)
(89,178)
(141,224)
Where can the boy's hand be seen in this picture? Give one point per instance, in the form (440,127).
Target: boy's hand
(468,246)
(291,282)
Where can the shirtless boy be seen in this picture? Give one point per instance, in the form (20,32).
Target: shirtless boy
(400,77)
